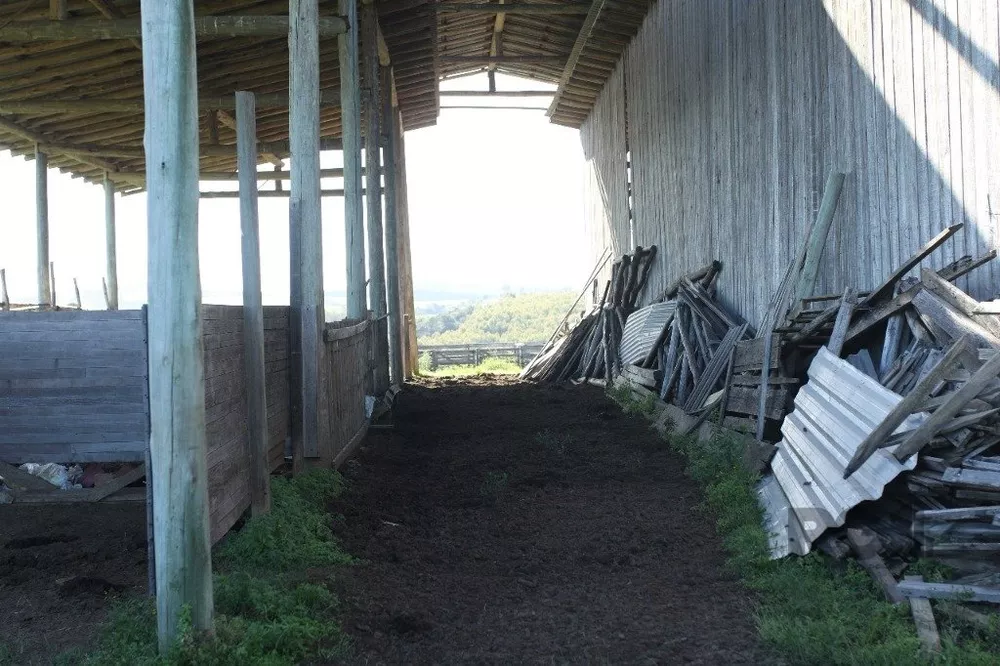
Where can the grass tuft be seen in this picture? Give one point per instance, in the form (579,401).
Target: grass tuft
(489,366)
(265,613)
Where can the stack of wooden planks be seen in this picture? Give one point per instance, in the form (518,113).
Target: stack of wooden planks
(590,349)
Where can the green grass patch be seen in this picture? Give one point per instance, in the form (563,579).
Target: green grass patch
(490,366)
(267,612)
(811,610)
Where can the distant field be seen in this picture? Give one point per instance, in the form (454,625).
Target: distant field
(515,318)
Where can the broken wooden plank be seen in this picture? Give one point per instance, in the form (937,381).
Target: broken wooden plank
(886,288)
(882,311)
(923,434)
(643,376)
(952,321)
(959,300)
(19,480)
(863,542)
(904,408)
(913,589)
(965,513)
(923,618)
(974,478)
(116,484)
(844,312)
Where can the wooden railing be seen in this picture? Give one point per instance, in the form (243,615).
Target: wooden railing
(474,354)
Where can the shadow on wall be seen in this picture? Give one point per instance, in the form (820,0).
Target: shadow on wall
(737,112)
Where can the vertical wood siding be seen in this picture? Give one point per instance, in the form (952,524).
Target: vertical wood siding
(73,387)
(738,110)
(605,195)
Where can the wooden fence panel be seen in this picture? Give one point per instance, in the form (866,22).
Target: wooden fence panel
(73,386)
(347,379)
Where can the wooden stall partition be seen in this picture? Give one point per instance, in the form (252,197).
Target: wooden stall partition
(225,417)
(277,368)
(73,387)
(348,376)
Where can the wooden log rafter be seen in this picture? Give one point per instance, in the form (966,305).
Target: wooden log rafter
(513,8)
(130,28)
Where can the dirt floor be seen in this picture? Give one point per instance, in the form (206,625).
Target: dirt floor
(510,523)
(59,564)
(499,523)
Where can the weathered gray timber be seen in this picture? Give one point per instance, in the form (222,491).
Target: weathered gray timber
(177,438)
(737,111)
(110,244)
(391,116)
(42,227)
(350,105)
(130,28)
(253,308)
(73,386)
(305,219)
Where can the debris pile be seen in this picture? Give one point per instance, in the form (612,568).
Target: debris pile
(883,406)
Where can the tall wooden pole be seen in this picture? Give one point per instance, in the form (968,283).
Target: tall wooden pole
(350,110)
(304,213)
(176,361)
(391,232)
(110,240)
(42,226)
(373,194)
(253,307)
(409,325)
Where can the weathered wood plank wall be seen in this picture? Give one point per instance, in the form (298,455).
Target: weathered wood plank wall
(226,406)
(73,386)
(348,376)
(738,110)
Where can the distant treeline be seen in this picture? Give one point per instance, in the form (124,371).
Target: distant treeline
(511,318)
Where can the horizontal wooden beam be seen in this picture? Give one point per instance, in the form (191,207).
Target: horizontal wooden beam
(501,60)
(487,93)
(269,194)
(267,100)
(494,108)
(226,176)
(517,8)
(205,150)
(131,28)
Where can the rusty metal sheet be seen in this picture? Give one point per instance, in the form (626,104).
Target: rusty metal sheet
(834,412)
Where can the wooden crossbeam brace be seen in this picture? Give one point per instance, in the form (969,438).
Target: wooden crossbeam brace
(266,100)
(138,152)
(227,120)
(516,8)
(500,60)
(130,28)
(596,7)
(494,93)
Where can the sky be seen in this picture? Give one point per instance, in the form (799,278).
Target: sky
(495,201)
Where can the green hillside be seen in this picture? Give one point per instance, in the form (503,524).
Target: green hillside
(511,318)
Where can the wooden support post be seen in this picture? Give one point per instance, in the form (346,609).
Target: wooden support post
(4,298)
(350,110)
(305,223)
(76,294)
(176,360)
(396,373)
(253,307)
(42,226)
(52,284)
(409,326)
(110,240)
(373,177)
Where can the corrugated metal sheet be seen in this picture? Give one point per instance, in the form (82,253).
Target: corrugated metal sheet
(643,329)
(737,111)
(836,409)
